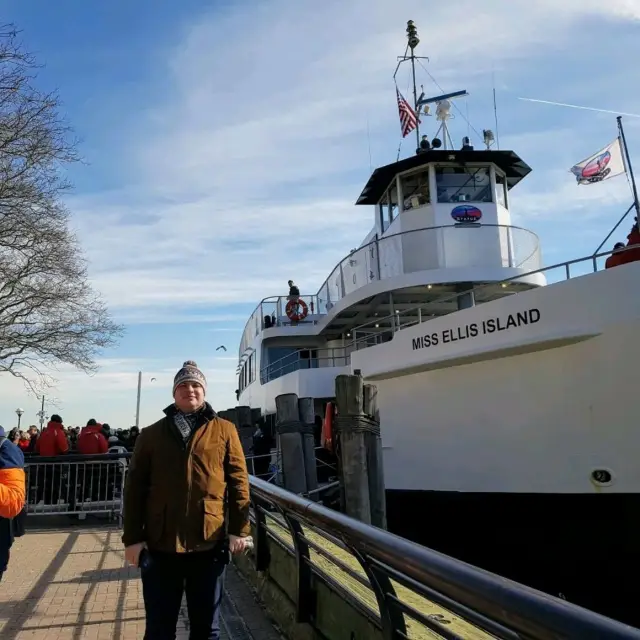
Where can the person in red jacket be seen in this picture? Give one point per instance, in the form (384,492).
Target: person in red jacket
(52,443)
(53,440)
(91,441)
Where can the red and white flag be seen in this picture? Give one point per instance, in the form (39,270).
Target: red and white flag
(408,119)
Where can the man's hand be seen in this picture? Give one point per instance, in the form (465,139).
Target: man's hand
(237,544)
(132,553)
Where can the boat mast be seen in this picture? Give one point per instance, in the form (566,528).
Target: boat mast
(414,41)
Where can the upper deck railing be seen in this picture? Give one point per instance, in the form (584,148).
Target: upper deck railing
(366,335)
(442,247)
(418,314)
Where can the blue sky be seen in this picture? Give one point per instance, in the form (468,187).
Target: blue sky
(225,144)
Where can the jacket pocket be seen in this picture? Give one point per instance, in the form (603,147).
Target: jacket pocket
(213,519)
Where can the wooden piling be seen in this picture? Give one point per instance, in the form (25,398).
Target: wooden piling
(306,408)
(360,450)
(289,428)
(245,428)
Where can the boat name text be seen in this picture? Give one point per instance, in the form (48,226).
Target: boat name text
(475,329)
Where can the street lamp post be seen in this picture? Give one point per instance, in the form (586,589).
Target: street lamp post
(41,414)
(19,412)
(138,398)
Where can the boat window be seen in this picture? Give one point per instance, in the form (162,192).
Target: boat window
(463,184)
(501,190)
(393,202)
(415,190)
(384,216)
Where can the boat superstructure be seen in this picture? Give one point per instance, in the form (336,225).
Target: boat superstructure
(441,227)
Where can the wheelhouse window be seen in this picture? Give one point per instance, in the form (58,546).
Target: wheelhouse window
(463,184)
(415,190)
(389,207)
(501,190)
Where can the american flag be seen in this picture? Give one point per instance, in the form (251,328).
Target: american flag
(408,119)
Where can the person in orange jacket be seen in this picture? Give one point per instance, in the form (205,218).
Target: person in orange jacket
(12,494)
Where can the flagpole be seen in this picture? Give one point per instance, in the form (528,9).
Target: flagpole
(634,188)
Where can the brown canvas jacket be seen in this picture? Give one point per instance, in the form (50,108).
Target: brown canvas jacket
(175,494)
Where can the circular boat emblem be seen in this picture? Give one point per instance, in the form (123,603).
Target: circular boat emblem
(466,213)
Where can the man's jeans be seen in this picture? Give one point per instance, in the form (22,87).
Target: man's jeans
(167,576)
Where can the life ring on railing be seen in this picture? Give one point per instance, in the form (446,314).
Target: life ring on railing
(326,438)
(292,310)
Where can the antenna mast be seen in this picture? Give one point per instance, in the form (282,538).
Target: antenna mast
(414,41)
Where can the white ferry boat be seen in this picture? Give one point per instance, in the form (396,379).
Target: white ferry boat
(506,391)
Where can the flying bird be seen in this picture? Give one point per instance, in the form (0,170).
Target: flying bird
(221,347)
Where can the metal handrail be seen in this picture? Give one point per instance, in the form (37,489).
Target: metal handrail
(497,605)
(267,372)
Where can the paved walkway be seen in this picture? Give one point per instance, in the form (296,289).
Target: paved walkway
(71,583)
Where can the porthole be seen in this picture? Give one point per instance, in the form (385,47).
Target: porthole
(602,477)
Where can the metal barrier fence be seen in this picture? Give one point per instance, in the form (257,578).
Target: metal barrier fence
(495,605)
(75,484)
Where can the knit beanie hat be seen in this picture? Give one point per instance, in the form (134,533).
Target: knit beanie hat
(189,373)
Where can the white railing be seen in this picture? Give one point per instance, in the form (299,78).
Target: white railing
(367,335)
(442,247)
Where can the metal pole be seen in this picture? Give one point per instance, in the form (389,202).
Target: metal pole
(613,230)
(629,167)
(42,415)
(415,99)
(138,401)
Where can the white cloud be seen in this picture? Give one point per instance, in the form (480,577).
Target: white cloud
(246,172)
(241,170)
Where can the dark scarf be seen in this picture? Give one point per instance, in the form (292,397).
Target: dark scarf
(187,423)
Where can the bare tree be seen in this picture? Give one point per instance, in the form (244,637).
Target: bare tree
(49,314)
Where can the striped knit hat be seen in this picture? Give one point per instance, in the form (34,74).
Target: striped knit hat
(189,373)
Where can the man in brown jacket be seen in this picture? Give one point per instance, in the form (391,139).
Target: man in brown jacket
(186,505)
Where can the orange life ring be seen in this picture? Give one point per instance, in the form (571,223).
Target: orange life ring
(292,310)
(326,438)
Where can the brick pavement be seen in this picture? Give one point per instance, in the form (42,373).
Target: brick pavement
(71,583)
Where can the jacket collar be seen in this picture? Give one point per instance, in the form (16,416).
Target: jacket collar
(206,411)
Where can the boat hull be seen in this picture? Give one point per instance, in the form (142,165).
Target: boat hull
(582,547)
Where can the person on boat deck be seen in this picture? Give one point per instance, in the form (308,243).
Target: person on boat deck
(614,259)
(294,292)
